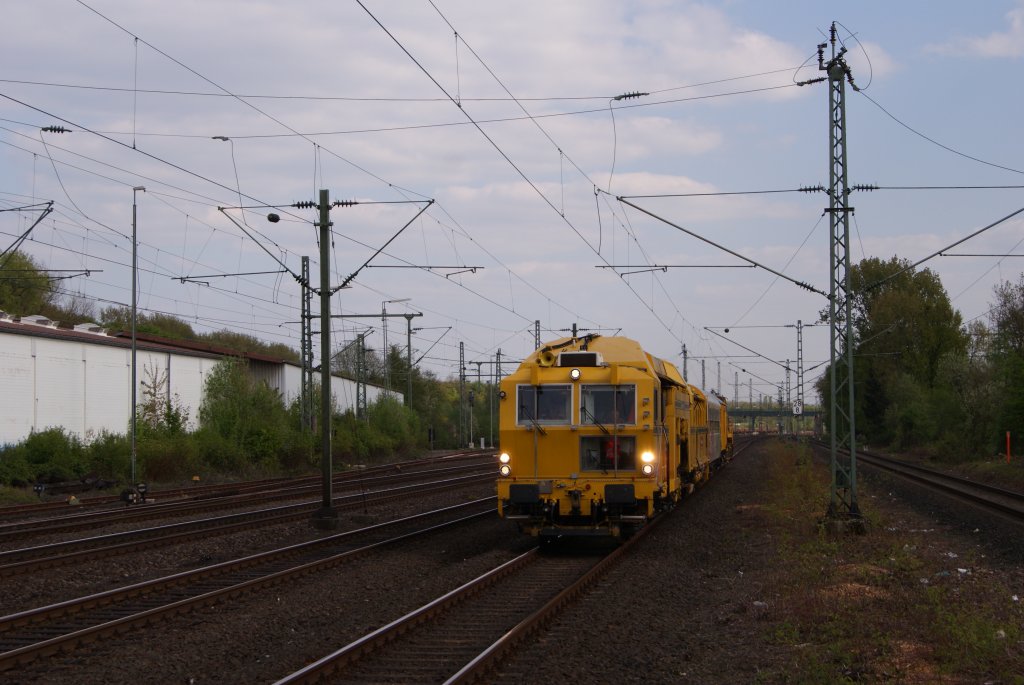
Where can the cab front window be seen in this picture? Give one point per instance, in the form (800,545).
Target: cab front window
(543,404)
(607,453)
(608,405)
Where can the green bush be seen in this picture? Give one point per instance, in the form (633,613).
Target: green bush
(14,467)
(216,452)
(109,456)
(296,455)
(167,459)
(245,412)
(55,456)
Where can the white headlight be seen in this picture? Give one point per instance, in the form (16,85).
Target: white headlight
(647,469)
(574,374)
(504,458)
(647,457)
(505,469)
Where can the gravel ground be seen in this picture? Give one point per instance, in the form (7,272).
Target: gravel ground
(694,604)
(262,638)
(682,608)
(706,598)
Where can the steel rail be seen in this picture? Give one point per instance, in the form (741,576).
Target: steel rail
(18,561)
(479,666)
(227,489)
(142,616)
(142,512)
(1009,503)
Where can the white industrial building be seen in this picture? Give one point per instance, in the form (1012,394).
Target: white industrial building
(80,378)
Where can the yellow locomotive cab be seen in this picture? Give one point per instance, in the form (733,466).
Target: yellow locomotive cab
(597,436)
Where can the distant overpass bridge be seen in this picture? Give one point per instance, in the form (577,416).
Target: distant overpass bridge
(780,419)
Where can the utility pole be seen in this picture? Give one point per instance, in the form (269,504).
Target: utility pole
(307,348)
(327,516)
(718,387)
(462,394)
(750,400)
(686,376)
(135,296)
(536,334)
(843,505)
(361,377)
(798,408)
(493,383)
(408,357)
(789,396)
(736,387)
(703,378)
(362,374)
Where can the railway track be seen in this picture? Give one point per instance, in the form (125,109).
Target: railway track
(1007,503)
(463,635)
(30,635)
(197,492)
(32,559)
(989,498)
(143,512)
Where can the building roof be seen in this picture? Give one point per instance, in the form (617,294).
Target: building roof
(40,327)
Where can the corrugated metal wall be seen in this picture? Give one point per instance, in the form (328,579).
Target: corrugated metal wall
(86,387)
(17,387)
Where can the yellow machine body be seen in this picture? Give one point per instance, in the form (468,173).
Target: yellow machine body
(597,436)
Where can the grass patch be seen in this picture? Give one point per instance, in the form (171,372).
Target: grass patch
(995,471)
(9,496)
(903,603)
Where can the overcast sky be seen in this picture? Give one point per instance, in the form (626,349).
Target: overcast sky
(504,115)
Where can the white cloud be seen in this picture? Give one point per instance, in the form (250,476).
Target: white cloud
(1008,43)
(592,49)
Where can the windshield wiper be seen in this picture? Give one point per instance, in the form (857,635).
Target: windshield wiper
(597,423)
(536,426)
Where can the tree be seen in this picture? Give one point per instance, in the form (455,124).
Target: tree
(70,309)
(241,342)
(970,402)
(167,326)
(1007,350)
(159,412)
(246,414)
(25,287)
(1008,317)
(904,329)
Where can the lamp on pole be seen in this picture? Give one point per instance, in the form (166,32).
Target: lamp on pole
(135,289)
(408,358)
(384,329)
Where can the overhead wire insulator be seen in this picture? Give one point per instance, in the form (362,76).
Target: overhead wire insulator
(810,81)
(864,186)
(629,96)
(306,204)
(345,203)
(55,129)
(811,189)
